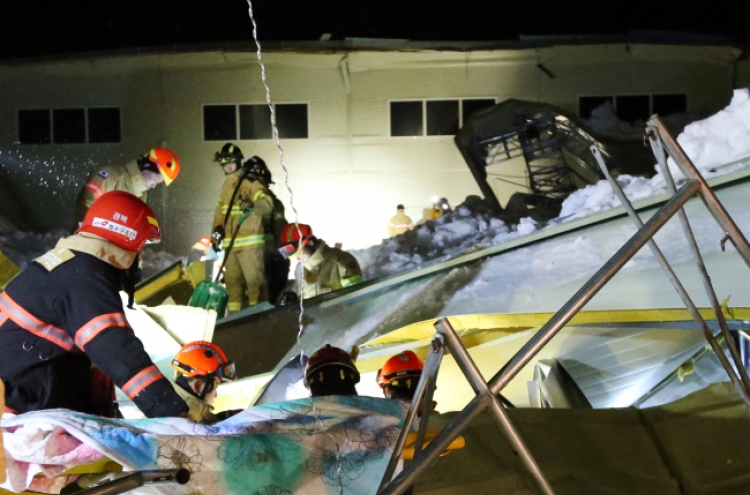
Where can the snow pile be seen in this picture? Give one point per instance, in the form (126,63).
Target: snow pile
(24,247)
(721,139)
(469,227)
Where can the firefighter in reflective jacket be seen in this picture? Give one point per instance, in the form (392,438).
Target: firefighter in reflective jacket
(322,268)
(238,225)
(64,313)
(399,223)
(135,177)
(276,265)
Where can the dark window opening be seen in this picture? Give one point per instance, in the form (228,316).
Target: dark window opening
(104,125)
(255,122)
(442,118)
(69,126)
(470,107)
(633,108)
(34,127)
(668,104)
(219,123)
(587,104)
(291,119)
(406,118)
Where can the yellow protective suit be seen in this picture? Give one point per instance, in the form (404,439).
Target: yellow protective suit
(243,274)
(399,224)
(327,269)
(126,178)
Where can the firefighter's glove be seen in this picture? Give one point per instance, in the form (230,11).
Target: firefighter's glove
(217,236)
(246,207)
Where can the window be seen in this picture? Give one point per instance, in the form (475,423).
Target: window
(34,127)
(220,121)
(442,118)
(104,125)
(632,108)
(433,117)
(586,104)
(69,126)
(668,104)
(470,107)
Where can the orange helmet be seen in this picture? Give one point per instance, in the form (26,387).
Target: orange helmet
(290,238)
(123,220)
(166,163)
(203,243)
(201,358)
(400,367)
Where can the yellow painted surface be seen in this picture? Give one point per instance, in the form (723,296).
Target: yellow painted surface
(169,278)
(8,270)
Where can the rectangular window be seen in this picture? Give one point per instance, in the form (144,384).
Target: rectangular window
(406,118)
(434,117)
(472,106)
(255,122)
(632,108)
(34,127)
(291,119)
(668,104)
(586,104)
(69,126)
(104,125)
(219,123)
(442,117)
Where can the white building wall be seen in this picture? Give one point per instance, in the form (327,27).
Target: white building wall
(350,174)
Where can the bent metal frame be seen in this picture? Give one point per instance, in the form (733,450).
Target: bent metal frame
(488,392)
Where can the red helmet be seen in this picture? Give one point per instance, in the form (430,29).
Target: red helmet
(330,356)
(290,237)
(401,366)
(123,220)
(166,163)
(201,358)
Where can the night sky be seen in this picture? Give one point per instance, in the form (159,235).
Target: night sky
(31,28)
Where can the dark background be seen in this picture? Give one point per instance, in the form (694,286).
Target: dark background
(30,28)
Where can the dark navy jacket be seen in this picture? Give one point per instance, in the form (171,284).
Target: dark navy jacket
(55,323)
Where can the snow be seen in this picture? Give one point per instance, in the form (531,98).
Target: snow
(721,139)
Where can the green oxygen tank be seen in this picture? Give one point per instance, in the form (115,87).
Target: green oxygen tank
(210,295)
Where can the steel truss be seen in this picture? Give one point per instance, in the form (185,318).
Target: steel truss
(488,393)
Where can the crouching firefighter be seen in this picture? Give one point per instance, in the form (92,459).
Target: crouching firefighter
(238,226)
(62,320)
(199,368)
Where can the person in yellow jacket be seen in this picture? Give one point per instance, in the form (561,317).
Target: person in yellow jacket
(238,225)
(399,223)
(135,177)
(321,268)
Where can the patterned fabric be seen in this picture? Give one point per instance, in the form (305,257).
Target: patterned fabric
(279,448)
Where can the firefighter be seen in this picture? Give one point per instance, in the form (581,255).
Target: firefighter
(199,369)
(439,208)
(136,177)
(331,371)
(64,313)
(276,266)
(322,268)
(399,223)
(400,375)
(238,226)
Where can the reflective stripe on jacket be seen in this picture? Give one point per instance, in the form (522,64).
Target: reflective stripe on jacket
(399,224)
(58,318)
(250,192)
(328,269)
(126,178)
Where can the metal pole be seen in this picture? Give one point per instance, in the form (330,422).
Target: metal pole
(713,204)
(137,480)
(452,430)
(673,277)
(661,159)
(472,373)
(431,364)
(427,399)
(584,295)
